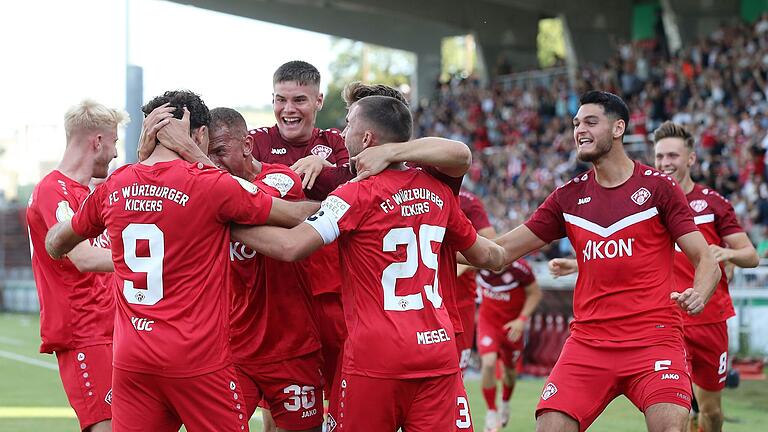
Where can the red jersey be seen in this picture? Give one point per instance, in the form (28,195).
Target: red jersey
(624,242)
(169,226)
(466,286)
(504,293)
(715,218)
(391,228)
(270,147)
(271,317)
(76,309)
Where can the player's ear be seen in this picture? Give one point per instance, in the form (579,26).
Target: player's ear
(618,128)
(200,135)
(247,145)
(320,100)
(691,157)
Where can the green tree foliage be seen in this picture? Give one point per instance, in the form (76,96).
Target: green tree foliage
(458,56)
(551,42)
(357,61)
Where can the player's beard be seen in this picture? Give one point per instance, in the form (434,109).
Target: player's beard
(602,147)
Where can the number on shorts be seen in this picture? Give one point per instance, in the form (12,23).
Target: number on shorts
(723,363)
(463,421)
(415,248)
(152,265)
(303,397)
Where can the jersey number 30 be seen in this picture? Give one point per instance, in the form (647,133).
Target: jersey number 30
(152,264)
(417,249)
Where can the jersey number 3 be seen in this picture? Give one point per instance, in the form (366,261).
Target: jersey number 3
(417,249)
(152,264)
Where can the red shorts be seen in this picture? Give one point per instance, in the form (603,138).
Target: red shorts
(465,339)
(590,374)
(209,402)
(707,349)
(463,416)
(493,338)
(329,315)
(291,389)
(87,377)
(384,405)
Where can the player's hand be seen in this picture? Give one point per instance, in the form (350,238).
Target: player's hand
(689,301)
(308,168)
(371,161)
(175,136)
(562,266)
(156,120)
(728,270)
(515,329)
(721,254)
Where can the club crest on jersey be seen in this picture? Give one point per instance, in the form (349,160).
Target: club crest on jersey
(108,397)
(64,212)
(322,150)
(641,196)
(549,391)
(698,205)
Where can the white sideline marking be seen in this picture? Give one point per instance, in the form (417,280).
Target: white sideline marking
(10,341)
(29,360)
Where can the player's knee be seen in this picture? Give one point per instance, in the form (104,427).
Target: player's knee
(102,426)
(555,421)
(713,412)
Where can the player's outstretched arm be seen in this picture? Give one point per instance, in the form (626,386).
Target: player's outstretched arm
(486,254)
(279,243)
(288,214)
(707,274)
(91,259)
(61,239)
(450,157)
(562,266)
(739,251)
(519,242)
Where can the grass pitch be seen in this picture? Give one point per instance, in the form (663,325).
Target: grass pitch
(32,397)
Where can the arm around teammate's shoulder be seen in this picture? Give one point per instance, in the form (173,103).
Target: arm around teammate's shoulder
(279,243)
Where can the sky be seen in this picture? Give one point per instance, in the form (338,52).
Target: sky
(56,53)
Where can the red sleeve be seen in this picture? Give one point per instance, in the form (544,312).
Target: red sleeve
(473,208)
(340,152)
(55,204)
(452,182)
(88,221)
(674,210)
(347,203)
(460,234)
(328,180)
(281,182)
(726,222)
(238,200)
(547,222)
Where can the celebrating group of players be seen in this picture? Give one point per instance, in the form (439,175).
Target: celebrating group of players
(227,289)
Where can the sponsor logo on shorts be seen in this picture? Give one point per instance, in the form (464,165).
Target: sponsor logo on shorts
(670,376)
(108,397)
(683,396)
(641,196)
(549,391)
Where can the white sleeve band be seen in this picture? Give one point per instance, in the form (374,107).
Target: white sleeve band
(325,224)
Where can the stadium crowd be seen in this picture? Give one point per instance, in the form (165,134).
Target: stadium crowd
(521,133)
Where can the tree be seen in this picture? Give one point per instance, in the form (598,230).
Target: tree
(358,61)
(551,42)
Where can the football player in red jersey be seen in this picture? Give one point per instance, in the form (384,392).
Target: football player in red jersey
(275,343)
(169,227)
(623,219)
(76,307)
(407,378)
(706,334)
(508,299)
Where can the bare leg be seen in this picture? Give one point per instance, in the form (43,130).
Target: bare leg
(102,426)
(555,421)
(268,421)
(710,410)
(666,417)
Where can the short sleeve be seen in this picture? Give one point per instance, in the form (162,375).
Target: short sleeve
(473,208)
(238,200)
(460,234)
(674,211)
(88,222)
(726,222)
(547,222)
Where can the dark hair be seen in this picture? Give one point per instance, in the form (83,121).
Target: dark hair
(612,104)
(198,112)
(389,117)
(299,71)
(230,118)
(673,130)
(356,90)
